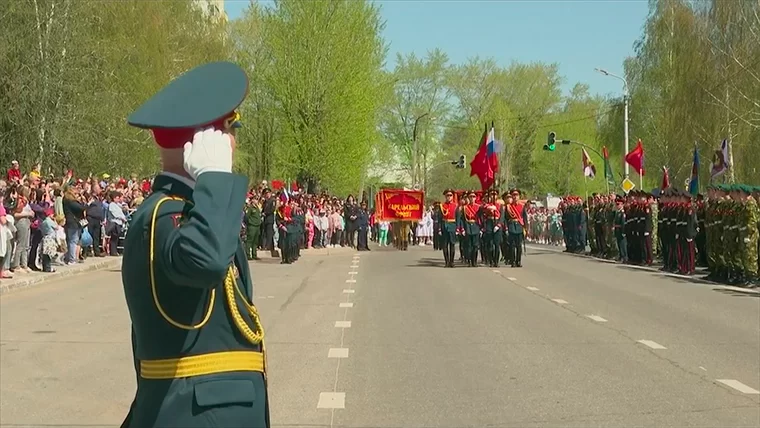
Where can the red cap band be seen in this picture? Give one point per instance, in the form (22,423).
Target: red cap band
(175,138)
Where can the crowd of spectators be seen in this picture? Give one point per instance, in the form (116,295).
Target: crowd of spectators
(49,220)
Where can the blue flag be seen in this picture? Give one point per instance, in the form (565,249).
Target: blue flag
(694,181)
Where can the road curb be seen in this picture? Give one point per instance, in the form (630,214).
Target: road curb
(37,278)
(656,270)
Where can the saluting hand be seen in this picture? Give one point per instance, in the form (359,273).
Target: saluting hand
(210,151)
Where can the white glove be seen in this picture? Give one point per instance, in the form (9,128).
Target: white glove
(210,151)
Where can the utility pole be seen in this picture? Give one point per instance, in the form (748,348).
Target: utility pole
(626,96)
(415,149)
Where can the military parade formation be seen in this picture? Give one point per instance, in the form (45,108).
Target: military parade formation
(492,230)
(684,232)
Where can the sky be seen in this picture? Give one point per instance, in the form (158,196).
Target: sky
(578,35)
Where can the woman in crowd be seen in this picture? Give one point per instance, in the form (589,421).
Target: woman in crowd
(73,211)
(22,216)
(40,203)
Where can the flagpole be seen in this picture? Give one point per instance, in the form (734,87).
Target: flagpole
(641,180)
(585,184)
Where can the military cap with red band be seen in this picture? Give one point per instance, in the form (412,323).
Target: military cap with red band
(206,96)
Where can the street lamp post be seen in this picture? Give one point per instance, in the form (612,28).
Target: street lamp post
(625,100)
(414,148)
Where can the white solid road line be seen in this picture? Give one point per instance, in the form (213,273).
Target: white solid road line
(346,305)
(351,281)
(349,291)
(343,324)
(596,318)
(532,288)
(735,384)
(337,353)
(332,400)
(651,344)
(560,301)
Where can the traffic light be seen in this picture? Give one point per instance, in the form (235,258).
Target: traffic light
(550,143)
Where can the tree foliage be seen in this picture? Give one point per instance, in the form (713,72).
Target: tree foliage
(320,87)
(70,73)
(322,110)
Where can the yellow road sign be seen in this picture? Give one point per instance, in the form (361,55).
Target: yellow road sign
(627,185)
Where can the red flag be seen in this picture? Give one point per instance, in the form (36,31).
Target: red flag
(665,178)
(480,164)
(636,158)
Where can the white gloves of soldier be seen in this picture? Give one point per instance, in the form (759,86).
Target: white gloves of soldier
(210,151)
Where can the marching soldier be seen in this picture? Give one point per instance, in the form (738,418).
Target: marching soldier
(449,221)
(492,227)
(516,221)
(284,222)
(471,230)
(253,223)
(506,254)
(196,336)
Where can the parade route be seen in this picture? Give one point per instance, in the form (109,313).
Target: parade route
(392,339)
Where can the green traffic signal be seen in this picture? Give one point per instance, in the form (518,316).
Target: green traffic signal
(550,143)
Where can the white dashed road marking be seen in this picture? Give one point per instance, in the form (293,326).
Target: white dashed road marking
(735,384)
(560,301)
(596,318)
(511,278)
(532,288)
(346,305)
(353,272)
(351,281)
(337,353)
(496,271)
(651,344)
(349,291)
(332,400)
(343,324)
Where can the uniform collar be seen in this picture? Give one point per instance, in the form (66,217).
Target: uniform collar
(174,184)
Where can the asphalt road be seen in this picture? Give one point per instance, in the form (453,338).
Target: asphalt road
(391,339)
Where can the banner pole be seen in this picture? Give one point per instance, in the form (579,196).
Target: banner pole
(585,184)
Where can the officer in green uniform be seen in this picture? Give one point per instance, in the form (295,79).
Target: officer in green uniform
(253,222)
(196,336)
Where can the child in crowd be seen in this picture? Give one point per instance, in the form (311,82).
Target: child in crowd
(50,244)
(383,233)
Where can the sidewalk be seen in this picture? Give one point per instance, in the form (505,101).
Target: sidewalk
(23,280)
(698,277)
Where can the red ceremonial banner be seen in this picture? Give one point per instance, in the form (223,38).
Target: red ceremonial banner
(407,205)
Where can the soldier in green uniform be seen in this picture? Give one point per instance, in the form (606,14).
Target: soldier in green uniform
(618,226)
(449,222)
(592,229)
(506,248)
(196,336)
(253,222)
(515,218)
(471,230)
(732,249)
